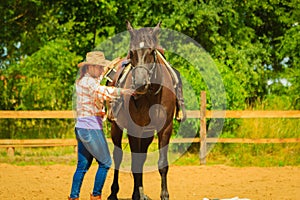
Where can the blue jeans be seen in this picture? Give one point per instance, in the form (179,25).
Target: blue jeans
(91,144)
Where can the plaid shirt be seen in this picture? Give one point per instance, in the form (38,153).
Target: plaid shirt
(90,101)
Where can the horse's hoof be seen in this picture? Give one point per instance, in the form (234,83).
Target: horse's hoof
(164,195)
(146,197)
(112,197)
(142,198)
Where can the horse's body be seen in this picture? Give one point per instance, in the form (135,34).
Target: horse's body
(151,109)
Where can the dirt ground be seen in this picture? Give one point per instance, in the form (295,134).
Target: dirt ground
(188,182)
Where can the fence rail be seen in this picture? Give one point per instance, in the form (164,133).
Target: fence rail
(13,143)
(202,114)
(67,114)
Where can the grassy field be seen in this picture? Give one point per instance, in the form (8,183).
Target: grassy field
(263,155)
(242,155)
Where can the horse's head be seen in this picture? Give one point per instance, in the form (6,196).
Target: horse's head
(142,54)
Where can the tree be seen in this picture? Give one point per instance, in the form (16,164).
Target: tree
(252,41)
(46,79)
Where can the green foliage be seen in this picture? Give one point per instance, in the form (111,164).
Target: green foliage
(249,40)
(253,46)
(36,128)
(44,80)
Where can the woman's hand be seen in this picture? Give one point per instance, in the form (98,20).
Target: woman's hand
(127,92)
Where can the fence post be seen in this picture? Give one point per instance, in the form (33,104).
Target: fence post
(11,151)
(75,148)
(203,128)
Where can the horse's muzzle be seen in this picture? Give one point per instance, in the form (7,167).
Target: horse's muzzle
(140,79)
(143,89)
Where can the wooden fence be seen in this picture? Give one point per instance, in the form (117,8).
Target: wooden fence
(203,114)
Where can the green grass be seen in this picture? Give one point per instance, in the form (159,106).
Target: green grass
(241,155)
(261,155)
(270,127)
(40,156)
(245,155)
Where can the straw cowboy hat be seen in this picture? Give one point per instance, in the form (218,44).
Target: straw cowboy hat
(95,58)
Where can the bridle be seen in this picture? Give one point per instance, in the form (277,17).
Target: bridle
(152,71)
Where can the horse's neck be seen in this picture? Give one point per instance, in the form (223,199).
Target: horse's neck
(121,75)
(168,70)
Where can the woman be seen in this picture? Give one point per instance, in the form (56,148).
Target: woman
(90,97)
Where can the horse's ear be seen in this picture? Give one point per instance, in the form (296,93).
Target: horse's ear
(129,27)
(156,29)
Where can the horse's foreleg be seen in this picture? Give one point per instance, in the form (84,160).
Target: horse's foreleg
(163,168)
(139,147)
(117,157)
(163,165)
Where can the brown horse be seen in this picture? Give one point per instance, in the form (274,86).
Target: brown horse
(151,109)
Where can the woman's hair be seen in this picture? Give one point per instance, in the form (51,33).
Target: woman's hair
(83,70)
